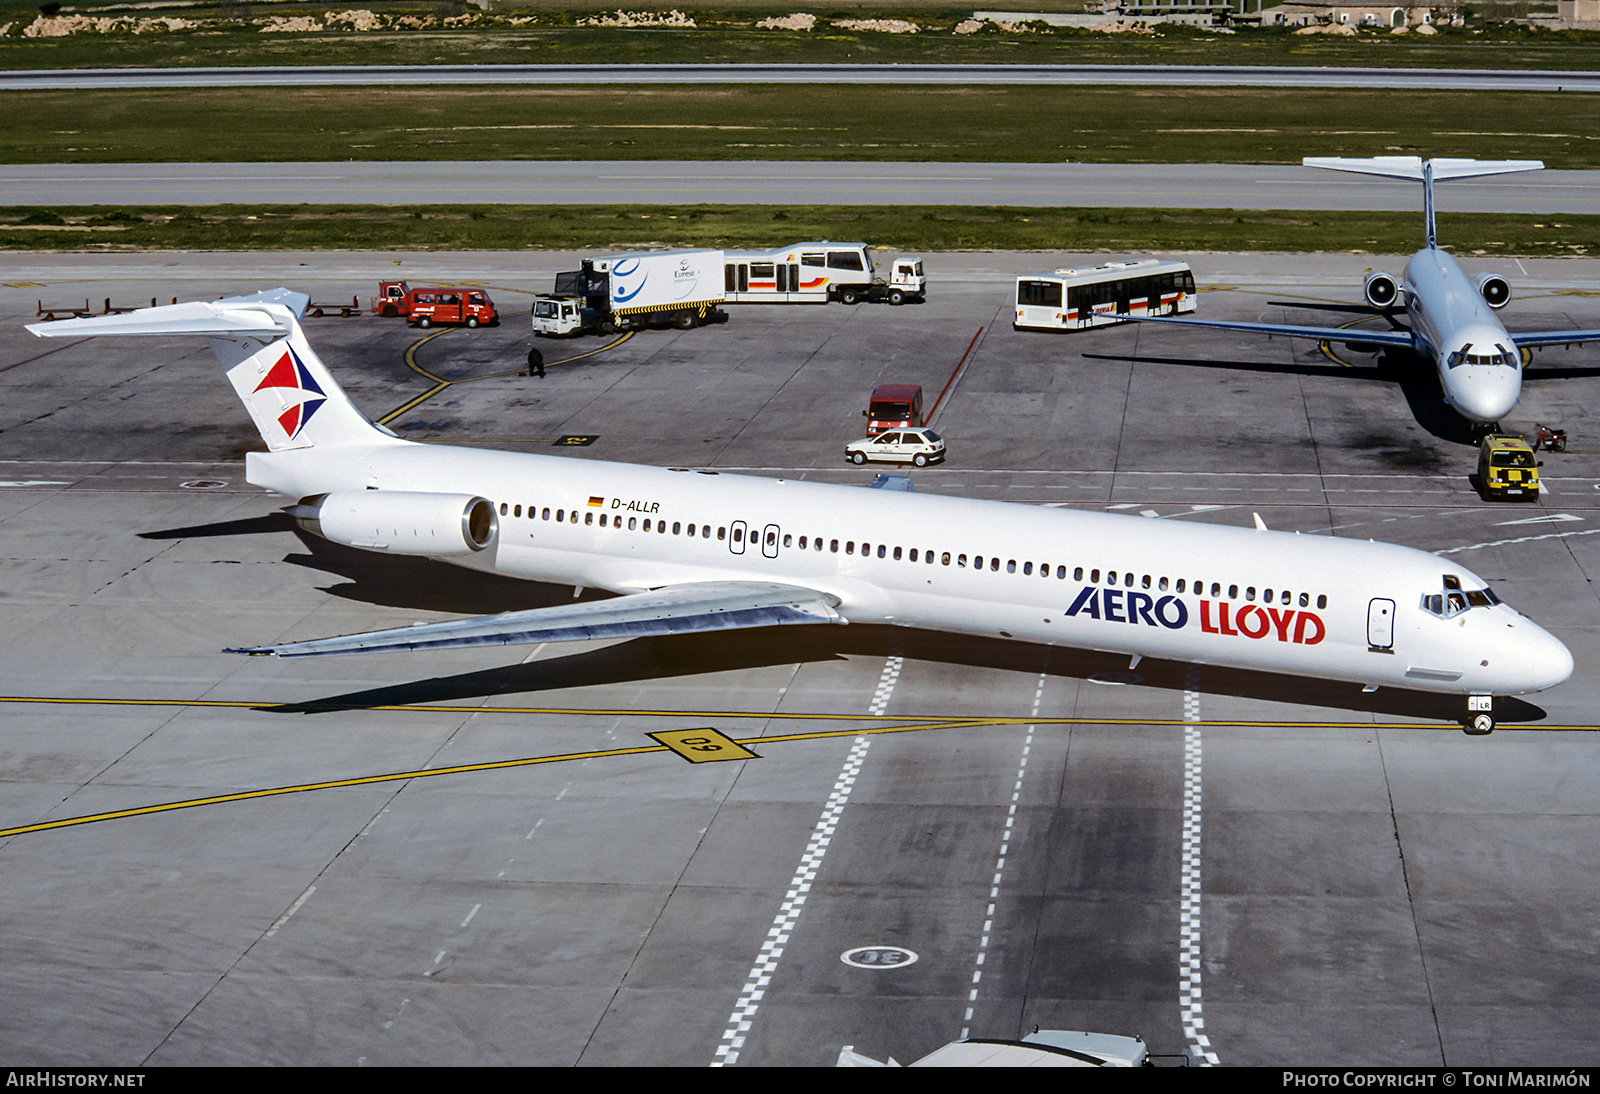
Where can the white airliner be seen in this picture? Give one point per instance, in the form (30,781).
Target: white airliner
(1452,316)
(696,550)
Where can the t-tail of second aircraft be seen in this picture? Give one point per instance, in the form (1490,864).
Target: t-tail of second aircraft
(292,398)
(1426,172)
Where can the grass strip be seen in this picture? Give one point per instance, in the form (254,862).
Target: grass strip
(792,122)
(609,228)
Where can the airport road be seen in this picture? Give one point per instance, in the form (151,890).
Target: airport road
(1375,886)
(1050,185)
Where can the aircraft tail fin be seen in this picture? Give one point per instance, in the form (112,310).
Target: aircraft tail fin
(292,398)
(1426,172)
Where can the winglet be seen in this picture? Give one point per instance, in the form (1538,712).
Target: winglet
(1261,525)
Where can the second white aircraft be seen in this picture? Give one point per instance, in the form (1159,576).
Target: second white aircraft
(1452,316)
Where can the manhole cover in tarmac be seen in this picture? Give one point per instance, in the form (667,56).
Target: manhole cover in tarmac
(203,484)
(878,957)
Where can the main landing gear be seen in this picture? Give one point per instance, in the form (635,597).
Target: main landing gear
(1480,715)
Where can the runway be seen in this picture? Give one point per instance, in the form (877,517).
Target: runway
(1421,79)
(1203,186)
(483,857)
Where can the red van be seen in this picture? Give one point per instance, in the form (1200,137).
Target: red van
(893,406)
(470,306)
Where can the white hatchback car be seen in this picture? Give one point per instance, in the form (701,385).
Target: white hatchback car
(915,446)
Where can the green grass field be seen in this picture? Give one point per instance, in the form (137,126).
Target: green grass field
(792,122)
(906,229)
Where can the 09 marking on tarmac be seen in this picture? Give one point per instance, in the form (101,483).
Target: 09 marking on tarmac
(701,746)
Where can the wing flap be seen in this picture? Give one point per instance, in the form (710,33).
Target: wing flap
(675,609)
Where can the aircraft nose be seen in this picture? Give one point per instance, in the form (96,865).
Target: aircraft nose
(1482,393)
(1542,660)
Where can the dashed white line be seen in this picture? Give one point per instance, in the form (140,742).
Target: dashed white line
(783,924)
(1000,863)
(1189,887)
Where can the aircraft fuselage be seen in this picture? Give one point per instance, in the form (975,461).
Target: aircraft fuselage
(1479,367)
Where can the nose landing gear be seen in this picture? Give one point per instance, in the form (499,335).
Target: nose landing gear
(1480,715)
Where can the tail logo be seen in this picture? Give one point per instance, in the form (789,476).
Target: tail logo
(289,375)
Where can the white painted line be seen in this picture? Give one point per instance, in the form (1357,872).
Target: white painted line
(293,908)
(783,924)
(1005,849)
(1189,889)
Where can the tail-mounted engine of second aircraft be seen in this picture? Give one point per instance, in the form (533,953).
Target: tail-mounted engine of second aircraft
(401,522)
(1495,289)
(1382,290)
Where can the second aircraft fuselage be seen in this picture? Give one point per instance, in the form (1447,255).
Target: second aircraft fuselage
(1479,366)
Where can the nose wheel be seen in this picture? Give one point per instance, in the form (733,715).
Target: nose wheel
(1480,715)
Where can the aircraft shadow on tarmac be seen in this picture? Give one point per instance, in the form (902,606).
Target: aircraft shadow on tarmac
(1414,375)
(425,585)
(646,659)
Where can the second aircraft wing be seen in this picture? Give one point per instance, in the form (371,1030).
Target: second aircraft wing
(1555,337)
(674,609)
(1290,330)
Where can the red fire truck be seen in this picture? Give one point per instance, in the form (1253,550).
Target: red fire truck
(470,306)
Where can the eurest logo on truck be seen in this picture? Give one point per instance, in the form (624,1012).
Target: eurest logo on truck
(629,291)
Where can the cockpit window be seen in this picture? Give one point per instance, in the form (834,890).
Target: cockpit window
(1455,600)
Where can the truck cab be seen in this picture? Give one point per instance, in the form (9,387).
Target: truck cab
(558,316)
(893,406)
(471,307)
(906,281)
(393,299)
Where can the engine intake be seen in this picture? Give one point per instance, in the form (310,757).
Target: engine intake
(1382,290)
(1495,289)
(401,522)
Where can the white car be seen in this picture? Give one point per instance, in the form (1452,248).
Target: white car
(915,446)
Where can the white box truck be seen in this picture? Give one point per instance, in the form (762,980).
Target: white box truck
(815,273)
(632,291)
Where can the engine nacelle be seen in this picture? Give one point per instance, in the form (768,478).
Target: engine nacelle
(1496,290)
(401,522)
(1382,289)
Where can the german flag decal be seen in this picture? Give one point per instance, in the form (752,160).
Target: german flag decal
(596,503)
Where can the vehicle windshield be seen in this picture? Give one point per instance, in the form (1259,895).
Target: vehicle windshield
(1511,459)
(891,410)
(931,436)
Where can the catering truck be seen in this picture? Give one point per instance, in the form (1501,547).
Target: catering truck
(815,273)
(632,291)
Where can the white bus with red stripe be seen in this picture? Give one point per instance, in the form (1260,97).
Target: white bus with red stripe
(1097,296)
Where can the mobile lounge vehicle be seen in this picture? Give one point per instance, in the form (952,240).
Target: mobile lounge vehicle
(815,273)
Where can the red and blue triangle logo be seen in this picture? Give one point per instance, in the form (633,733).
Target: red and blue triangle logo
(290,374)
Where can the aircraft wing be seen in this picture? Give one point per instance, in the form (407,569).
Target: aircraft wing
(1555,337)
(1288,330)
(673,609)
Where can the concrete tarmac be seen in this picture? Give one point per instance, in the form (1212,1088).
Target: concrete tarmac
(263,864)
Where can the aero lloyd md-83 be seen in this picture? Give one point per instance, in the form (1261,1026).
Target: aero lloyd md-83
(696,550)
(1451,316)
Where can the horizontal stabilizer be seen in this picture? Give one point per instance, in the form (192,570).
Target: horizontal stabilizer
(231,316)
(675,609)
(1410,167)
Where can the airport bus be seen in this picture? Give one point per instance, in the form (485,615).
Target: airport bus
(1094,296)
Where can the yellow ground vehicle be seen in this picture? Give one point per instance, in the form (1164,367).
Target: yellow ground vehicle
(1507,468)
